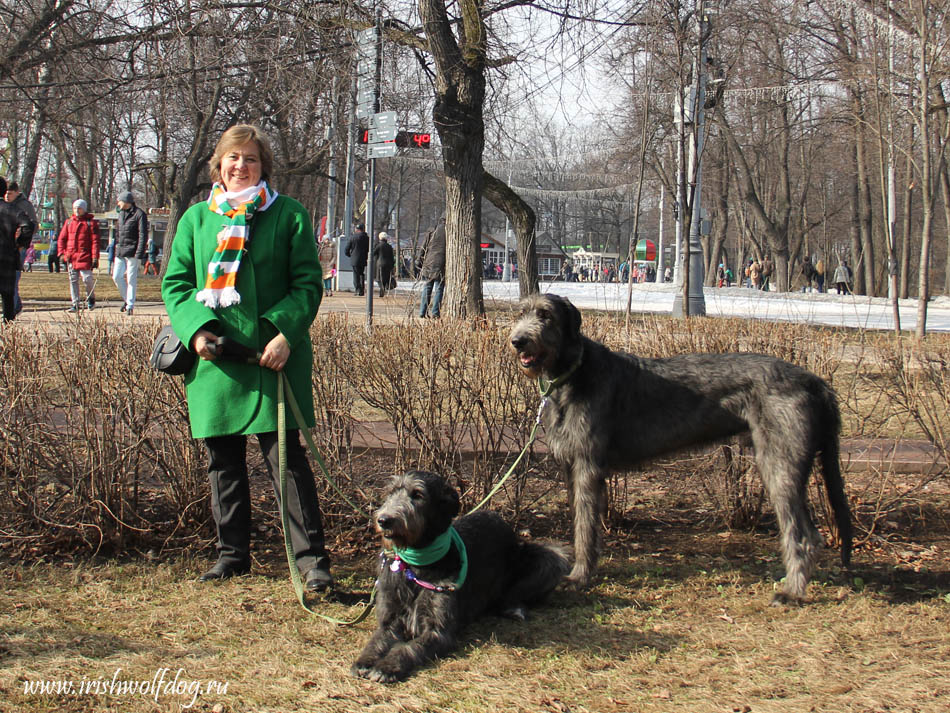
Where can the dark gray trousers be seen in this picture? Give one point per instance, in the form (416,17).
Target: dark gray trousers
(231,498)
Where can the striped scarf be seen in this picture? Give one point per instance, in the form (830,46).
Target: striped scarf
(238,208)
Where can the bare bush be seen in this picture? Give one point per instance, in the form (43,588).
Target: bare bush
(447,389)
(95,447)
(87,427)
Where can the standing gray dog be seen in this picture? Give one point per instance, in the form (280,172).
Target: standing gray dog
(436,576)
(608,410)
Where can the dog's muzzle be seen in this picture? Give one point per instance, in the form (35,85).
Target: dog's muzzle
(530,360)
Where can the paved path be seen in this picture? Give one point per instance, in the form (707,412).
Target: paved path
(394,308)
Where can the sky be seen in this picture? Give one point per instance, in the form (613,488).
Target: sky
(826,309)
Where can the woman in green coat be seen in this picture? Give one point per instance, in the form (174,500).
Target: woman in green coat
(244,265)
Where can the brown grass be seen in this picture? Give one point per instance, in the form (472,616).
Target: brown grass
(677,621)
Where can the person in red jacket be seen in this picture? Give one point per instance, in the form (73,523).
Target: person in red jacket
(78,245)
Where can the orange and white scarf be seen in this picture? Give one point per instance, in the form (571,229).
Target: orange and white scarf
(238,208)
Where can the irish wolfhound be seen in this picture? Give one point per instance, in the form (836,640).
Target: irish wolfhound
(613,410)
(436,576)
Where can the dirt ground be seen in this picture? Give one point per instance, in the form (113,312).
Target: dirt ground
(677,620)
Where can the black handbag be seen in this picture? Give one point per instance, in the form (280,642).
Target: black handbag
(169,355)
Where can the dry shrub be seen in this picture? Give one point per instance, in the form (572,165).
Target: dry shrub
(95,447)
(448,389)
(87,428)
(901,392)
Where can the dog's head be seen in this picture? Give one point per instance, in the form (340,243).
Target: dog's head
(417,507)
(546,326)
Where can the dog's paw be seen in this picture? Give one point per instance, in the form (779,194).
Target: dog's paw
(577,580)
(375,674)
(784,599)
(518,613)
(360,670)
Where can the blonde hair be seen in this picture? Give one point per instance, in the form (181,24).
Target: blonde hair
(236,136)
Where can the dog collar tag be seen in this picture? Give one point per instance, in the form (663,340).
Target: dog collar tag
(544,402)
(395,565)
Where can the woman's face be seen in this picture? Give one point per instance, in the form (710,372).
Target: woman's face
(241,167)
(79,211)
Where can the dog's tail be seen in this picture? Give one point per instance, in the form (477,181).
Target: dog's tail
(830,457)
(541,567)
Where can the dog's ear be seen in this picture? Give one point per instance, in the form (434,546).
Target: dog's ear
(450,501)
(573,315)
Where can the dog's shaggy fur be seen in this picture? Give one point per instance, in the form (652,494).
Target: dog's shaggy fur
(616,410)
(416,625)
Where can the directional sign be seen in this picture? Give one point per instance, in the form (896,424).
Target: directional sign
(383,150)
(364,83)
(366,67)
(364,110)
(383,120)
(379,136)
(366,96)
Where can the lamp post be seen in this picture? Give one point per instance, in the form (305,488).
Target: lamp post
(694,271)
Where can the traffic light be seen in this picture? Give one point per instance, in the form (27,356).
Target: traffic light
(404,139)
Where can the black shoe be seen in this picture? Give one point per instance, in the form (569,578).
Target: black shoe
(73,309)
(129,311)
(91,304)
(122,308)
(318,579)
(224,570)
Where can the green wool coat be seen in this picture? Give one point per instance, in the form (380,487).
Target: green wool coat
(280,284)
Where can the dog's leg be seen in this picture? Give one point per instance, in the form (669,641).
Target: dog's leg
(786,480)
(406,656)
(382,640)
(590,502)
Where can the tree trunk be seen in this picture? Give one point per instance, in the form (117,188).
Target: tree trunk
(866,265)
(523,218)
(904,267)
(457,114)
(857,280)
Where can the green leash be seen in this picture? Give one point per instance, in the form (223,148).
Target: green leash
(285,394)
(545,391)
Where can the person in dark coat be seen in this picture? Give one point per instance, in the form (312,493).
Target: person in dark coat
(21,204)
(16,233)
(358,252)
(433,271)
(52,257)
(385,259)
(131,237)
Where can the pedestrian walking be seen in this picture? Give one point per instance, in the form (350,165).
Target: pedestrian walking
(384,258)
(131,237)
(79,248)
(22,206)
(357,249)
(16,232)
(433,272)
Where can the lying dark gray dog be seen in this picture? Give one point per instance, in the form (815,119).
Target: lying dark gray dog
(436,576)
(609,410)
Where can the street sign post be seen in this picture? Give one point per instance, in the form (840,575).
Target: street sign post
(381,136)
(382,150)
